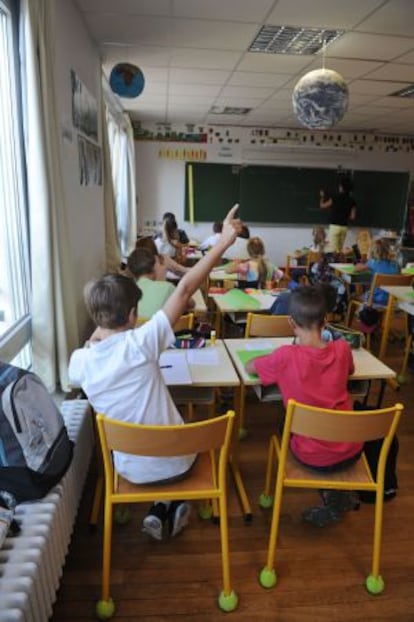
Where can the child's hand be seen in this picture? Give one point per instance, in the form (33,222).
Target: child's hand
(231,226)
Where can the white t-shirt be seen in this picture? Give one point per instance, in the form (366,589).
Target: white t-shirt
(122,379)
(165,248)
(238,250)
(210,241)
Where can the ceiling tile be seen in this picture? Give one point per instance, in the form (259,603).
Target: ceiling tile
(204,59)
(242,10)
(406,58)
(246,91)
(396,18)
(374,87)
(198,76)
(128,7)
(394,102)
(274,63)
(334,13)
(347,68)
(369,46)
(199,89)
(253,78)
(209,34)
(392,71)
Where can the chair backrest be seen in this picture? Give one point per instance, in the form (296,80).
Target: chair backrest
(364,240)
(164,440)
(185,322)
(311,258)
(140,321)
(341,425)
(261,325)
(388,279)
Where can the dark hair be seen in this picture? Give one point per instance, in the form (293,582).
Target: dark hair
(110,298)
(244,232)
(140,262)
(307,306)
(218,226)
(170,228)
(169,216)
(328,291)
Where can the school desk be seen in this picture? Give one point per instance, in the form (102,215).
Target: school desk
(367,366)
(237,301)
(212,367)
(403,295)
(350,275)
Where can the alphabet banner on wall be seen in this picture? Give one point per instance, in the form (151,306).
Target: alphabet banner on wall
(183,153)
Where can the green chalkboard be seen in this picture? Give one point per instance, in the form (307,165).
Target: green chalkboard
(381,198)
(290,195)
(215,190)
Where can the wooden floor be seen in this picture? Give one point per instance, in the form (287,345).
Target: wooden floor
(321,571)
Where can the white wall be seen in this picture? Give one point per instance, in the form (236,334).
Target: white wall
(84,204)
(161,187)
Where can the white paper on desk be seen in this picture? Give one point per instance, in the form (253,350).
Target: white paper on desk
(203,356)
(174,368)
(256,344)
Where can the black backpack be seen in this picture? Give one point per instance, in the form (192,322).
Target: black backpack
(35,450)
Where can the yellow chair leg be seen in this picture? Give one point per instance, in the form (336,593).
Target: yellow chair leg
(228,599)
(105,608)
(374,582)
(268,577)
(266,501)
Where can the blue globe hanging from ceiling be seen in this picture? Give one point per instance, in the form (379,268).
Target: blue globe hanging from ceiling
(127,80)
(320,99)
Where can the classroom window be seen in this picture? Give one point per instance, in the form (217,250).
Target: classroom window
(15,324)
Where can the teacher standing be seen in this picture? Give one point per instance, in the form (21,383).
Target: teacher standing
(343,209)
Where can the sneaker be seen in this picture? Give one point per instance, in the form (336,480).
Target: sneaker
(320,516)
(340,500)
(154,521)
(178,516)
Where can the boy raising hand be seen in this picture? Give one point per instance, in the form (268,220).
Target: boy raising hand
(120,373)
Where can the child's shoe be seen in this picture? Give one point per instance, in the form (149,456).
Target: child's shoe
(340,500)
(178,516)
(154,521)
(320,516)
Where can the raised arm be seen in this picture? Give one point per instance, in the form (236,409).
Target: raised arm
(178,301)
(174,266)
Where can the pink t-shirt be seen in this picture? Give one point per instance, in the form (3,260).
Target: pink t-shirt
(318,377)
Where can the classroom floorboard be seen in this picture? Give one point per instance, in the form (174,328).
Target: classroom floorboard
(321,572)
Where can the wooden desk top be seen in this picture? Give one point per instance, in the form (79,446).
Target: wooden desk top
(265,301)
(367,366)
(200,303)
(210,366)
(404,295)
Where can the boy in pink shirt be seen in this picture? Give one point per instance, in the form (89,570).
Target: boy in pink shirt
(313,372)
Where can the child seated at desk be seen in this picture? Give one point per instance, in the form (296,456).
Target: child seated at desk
(212,239)
(120,372)
(380,261)
(141,264)
(314,372)
(257,270)
(163,263)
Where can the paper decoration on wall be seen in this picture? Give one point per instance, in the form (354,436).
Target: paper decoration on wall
(84,108)
(90,162)
(127,80)
(320,99)
(198,155)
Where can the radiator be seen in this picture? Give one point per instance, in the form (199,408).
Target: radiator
(31,563)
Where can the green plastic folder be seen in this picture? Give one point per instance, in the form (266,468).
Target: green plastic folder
(238,299)
(407,271)
(247,355)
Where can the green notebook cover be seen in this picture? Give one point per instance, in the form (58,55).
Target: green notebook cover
(238,299)
(247,355)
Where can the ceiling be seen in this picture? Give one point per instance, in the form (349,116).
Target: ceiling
(194,55)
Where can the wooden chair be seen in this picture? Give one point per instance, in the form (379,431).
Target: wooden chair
(329,425)
(261,325)
(185,322)
(206,481)
(385,311)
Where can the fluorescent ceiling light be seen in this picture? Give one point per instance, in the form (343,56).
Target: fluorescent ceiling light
(293,39)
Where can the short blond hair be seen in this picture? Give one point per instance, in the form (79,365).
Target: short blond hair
(380,249)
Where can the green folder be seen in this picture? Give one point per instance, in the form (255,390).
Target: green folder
(247,355)
(237,299)
(407,271)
